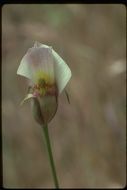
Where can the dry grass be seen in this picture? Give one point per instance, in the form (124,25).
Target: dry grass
(88,136)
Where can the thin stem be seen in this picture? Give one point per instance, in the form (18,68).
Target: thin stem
(47,139)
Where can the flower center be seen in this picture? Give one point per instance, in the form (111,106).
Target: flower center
(43,88)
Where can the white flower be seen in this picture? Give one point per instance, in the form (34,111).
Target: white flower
(41,61)
(48,74)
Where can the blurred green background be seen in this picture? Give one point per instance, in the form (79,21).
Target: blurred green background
(89,135)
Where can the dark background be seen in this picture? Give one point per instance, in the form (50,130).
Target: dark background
(89,135)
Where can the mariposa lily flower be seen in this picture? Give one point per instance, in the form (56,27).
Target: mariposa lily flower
(48,75)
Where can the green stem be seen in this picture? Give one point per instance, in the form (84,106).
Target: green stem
(48,144)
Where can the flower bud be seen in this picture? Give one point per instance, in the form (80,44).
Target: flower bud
(44,108)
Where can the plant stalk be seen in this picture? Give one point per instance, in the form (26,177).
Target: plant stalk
(52,164)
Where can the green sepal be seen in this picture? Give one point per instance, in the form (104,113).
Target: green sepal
(67,95)
(28,96)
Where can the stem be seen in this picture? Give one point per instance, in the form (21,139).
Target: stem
(48,144)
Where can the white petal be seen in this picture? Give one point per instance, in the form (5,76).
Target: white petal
(44,61)
(62,72)
(38,44)
(23,69)
(36,61)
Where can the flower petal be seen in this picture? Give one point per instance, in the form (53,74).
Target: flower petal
(23,69)
(62,72)
(42,61)
(38,44)
(38,62)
